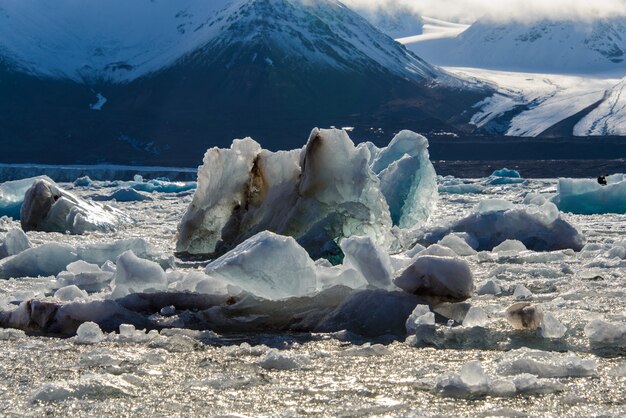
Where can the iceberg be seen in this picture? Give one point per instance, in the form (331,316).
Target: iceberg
(49,208)
(407,179)
(588,197)
(539,228)
(12,195)
(319,195)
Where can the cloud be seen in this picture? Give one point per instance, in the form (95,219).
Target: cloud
(503,10)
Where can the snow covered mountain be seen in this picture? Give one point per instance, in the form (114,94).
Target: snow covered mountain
(573,47)
(162,80)
(396,21)
(609,117)
(121,40)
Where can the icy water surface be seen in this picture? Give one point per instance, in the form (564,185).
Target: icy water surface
(192,373)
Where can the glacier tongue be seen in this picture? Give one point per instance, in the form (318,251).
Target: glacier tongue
(327,191)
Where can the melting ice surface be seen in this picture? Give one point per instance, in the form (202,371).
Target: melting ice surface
(496,296)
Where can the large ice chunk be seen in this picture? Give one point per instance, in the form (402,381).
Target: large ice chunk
(49,208)
(546,364)
(407,179)
(85,276)
(587,196)
(51,258)
(12,195)
(443,278)
(318,195)
(14,242)
(45,260)
(602,332)
(539,228)
(134,275)
(267,265)
(374,264)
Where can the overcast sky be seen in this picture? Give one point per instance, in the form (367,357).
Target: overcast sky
(503,10)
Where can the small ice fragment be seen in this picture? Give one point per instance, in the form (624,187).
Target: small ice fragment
(510,245)
(277,360)
(473,375)
(493,205)
(457,244)
(550,327)
(476,317)
(89,333)
(489,287)
(522,293)
(70,293)
(421,316)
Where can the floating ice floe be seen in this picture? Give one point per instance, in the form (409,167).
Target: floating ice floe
(283,360)
(603,332)
(365,350)
(13,243)
(85,276)
(124,194)
(587,196)
(475,317)
(371,261)
(504,176)
(70,293)
(539,228)
(136,275)
(93,386)
(550,327)
(49,208)
(457,244)
(267,265)
(451,185)
(12,195)
(50,259)
(439,278)
(327,191)
(472,382)
(545,364)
